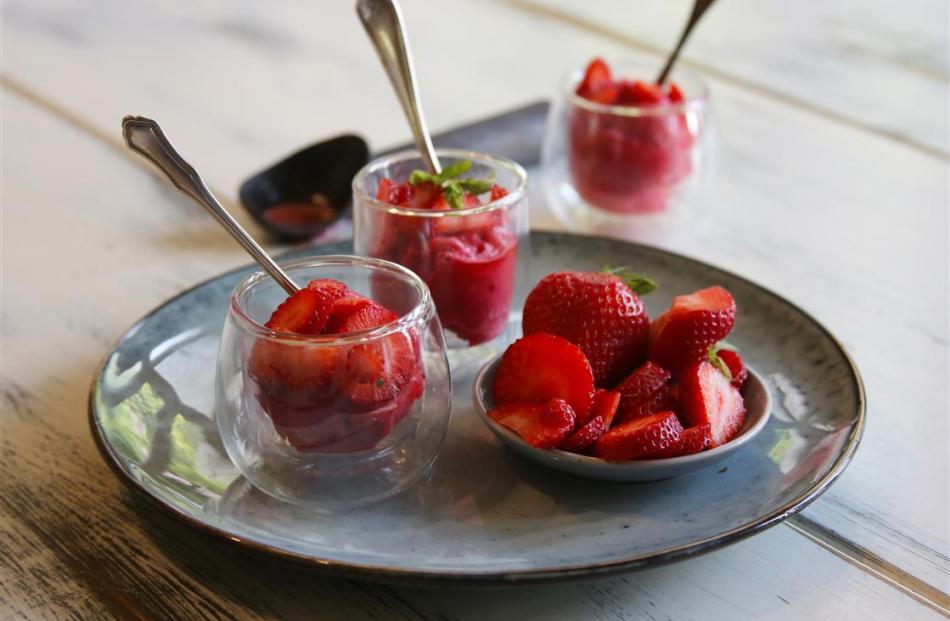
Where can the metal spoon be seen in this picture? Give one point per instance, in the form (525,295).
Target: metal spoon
(699,7)
(146,137)
(382,20)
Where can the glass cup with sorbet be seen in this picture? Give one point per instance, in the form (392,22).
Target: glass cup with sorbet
(339,394)
(617,147)
(464,232)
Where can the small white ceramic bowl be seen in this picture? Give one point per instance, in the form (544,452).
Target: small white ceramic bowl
(758,403)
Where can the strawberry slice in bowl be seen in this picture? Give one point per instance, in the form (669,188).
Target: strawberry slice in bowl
(683,449)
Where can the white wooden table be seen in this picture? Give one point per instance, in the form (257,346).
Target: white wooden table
(832,190)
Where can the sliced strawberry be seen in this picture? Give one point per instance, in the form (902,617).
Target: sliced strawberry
(393,193)
(709,398)
(424,196)
(607,94)
(304,312)
(643,438)
(497,193)
(676,94)
(540,367)
(660,401)
(343,309)
(540,425)
(332,289)
(737,368)
(596,76)
(366,317)
(294,371)
(640,385)
(382,190)
(692,440)
(378,370)
(683,335)
(643,94)
(585,436)
(605,406)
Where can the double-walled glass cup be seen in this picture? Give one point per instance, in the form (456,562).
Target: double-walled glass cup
(339,419)
(607,166)
(472,258)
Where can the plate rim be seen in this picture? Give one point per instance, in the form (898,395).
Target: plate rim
(418,577)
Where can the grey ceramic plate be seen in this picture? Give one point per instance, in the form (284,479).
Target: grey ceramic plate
(485,515)
(758,405)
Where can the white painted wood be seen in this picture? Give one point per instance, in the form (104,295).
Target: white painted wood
(876,63)
(848,223)
(74,543)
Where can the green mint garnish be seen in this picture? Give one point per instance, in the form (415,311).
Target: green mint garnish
(640,284)
(453,188)
(713,356)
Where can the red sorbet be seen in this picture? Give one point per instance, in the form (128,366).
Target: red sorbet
(468,262)
(622,163)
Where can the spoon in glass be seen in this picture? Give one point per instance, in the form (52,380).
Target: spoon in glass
(145,137)
(382,20)
(699,7)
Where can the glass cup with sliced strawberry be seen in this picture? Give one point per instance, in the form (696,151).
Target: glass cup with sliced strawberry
(338,393)
(593,375)
(621,145)
(464,232)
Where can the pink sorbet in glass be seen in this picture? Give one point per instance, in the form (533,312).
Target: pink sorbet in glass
(627,162)
(467,259)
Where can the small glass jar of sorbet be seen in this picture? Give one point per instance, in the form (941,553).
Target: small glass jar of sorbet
(472,258)
(607,166)
(336,420)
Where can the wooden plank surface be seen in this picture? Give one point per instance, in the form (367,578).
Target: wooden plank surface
(844,219)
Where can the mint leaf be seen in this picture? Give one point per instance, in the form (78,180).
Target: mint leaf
(718,362)
(640,284)
(452,194)
(454,190)
(475,186)
(456,169)
(421,176)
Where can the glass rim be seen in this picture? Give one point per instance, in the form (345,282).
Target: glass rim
(494,161)
(414,316)
(695,102)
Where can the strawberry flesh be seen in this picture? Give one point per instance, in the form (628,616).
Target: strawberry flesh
(540,425)
(692,440)
(605,405)
(584,436)
(541,367)
(736,366)
(644,438)
(709,398)
(596,76)
(640,386)
(683,335)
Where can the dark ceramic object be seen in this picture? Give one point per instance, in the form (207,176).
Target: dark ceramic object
(304,193)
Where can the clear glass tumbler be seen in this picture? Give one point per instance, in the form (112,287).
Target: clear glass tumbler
(334,420)
(606,166)
(472,258)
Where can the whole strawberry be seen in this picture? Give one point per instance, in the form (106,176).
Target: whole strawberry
(599,312)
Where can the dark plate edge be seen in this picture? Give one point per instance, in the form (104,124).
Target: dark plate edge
(436,578)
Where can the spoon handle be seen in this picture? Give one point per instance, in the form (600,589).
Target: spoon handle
(382,20)
(146,137)
(699,7)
